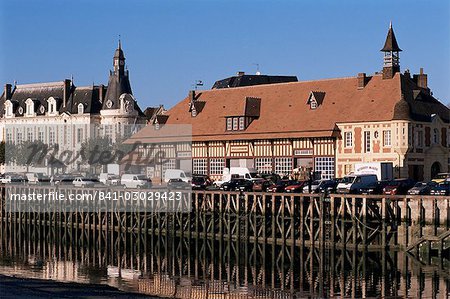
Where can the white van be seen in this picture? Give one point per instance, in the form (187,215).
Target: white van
(135,181)
(176,174)
(352,183)
(238,172)
(109,179)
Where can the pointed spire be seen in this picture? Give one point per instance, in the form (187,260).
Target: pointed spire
(391,42)
(120,43)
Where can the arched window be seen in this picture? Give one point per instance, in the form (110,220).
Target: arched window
(436,136)
(51,106)
(30,107)
(80,108)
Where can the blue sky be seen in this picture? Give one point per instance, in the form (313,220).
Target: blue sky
(170,44)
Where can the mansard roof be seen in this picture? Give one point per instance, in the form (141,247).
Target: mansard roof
(41,92)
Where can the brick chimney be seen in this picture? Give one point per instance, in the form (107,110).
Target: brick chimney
(101,93)
(421,79)
(362,80)
(7,92)
(240,73)
(191,96)
(66,91)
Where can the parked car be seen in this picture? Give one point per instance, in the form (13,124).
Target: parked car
(421,188)
(398,187)
(13,178)
(327,186)
(261,185)
(135,181)
(378,189)
(62,179)
(280,186)
(178,184)
(441,189)
(273,177)
(237,185)
(200,182)
(84,182)
(353,183)
(441,177)
(295,187)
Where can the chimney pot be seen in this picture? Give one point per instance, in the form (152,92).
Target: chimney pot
(240,73)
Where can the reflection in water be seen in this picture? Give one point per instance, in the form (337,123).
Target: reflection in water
(201,268)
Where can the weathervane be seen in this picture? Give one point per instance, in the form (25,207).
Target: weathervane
(197,83)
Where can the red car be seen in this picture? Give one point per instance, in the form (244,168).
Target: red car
(398,187)
(295,187)
(261,185)
(280,185)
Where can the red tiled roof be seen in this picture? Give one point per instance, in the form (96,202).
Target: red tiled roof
(284,111)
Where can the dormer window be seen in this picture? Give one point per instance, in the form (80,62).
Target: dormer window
(315,99)
(8,108)
(237,123)
(51,106)
(30,107)
(80,108)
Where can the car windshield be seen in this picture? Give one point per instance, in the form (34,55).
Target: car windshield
(198,179)
(443,176)
(316,183)
(347,179)
(396,183)
(420,184)
(141,177)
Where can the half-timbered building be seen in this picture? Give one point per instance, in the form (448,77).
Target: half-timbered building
(322,125)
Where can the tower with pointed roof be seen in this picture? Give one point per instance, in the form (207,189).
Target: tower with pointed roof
(391,64)
(118,83)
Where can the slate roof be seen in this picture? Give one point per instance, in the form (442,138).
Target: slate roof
(117,85)
(251,80)
(41,92)
(284,111)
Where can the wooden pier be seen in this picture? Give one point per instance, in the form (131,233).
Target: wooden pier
(358,222)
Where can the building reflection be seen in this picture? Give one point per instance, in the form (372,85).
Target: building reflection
(200,268)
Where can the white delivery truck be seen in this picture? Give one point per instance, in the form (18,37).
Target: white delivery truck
(383,170)
(176,174)
(238,172)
